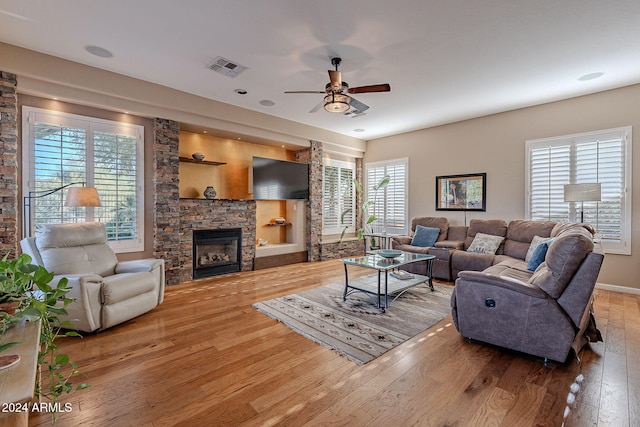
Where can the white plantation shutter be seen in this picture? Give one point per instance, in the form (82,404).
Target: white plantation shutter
(347,196)
(390,203)
(337,196)
(59,160)
(115,178)
(550,171)
(64,148)
(603,157)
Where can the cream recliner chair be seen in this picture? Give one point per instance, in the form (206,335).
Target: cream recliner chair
(107,292)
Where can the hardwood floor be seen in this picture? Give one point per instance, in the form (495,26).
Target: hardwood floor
(205,357)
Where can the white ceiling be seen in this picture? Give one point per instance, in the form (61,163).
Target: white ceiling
(446,60)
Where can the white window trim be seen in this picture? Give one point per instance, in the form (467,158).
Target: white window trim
(624,246)
(384,163)
(28,114)
(327,231)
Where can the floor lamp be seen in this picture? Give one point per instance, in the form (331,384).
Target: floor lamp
(582,193)
(76,196)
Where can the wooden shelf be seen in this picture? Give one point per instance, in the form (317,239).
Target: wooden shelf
(202,162)
(273,224)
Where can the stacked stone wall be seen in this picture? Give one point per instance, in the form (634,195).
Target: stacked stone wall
(313,157)
(8,164)
(166,222)
(344,249)
(203,214)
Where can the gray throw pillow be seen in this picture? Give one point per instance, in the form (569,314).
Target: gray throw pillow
(425,237)
(485,243)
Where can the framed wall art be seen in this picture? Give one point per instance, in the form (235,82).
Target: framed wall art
(461,192)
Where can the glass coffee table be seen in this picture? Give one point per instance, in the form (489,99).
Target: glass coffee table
(387,268)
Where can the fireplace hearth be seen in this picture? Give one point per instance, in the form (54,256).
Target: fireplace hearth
(216,252)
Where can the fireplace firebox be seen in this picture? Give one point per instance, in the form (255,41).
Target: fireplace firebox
(216,252)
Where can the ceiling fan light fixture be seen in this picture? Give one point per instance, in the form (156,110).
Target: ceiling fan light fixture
(336,103)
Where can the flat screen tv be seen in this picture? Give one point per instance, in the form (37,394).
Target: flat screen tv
(280,180)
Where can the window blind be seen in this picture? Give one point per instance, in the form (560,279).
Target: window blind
(601,157)
(338,196)
(64,148)
(390,203)
(115,173)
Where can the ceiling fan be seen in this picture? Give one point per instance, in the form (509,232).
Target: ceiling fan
(335,93)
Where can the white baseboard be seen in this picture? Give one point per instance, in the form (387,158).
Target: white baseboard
(616,288)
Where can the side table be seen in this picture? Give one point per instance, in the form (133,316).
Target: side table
(17,382)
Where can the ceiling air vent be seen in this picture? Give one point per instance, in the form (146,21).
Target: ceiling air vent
(224,66)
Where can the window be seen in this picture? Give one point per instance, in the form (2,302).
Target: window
(61,149)
(596,157)
(390,202)
(338,196)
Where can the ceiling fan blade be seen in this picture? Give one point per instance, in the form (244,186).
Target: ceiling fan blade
(354,114)
(358,105)
(303,91)
(371,88)
(336,80)
(317,107)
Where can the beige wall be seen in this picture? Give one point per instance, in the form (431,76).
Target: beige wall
(496,145)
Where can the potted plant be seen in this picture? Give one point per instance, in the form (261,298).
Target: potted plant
(14,283)
(30,286)
(368,218)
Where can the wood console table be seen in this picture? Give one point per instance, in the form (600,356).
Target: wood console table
(17,382)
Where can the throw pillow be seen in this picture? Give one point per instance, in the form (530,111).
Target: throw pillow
(538,255)
(485,243)
(535,242)
(425,236)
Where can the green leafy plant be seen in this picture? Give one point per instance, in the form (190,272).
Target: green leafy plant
(368,218)
(15,278)
(15,283)
(39,300)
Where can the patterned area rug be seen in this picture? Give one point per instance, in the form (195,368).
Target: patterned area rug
(355,328)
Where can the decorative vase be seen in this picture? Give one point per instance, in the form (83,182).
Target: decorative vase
(198,156)
(210,192)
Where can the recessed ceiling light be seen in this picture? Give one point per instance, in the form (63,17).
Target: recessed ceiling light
(590,76)
(358,130)
(241,91)
(98,51)
(55,98)
(204,131)
(267,103)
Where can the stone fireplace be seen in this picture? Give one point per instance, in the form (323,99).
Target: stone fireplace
(198,215)
(176,218)
(216,252)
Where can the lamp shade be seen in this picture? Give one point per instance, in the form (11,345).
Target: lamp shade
(82,196)
(336,103)
(582,192)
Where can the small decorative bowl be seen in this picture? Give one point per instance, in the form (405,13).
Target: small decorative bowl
(198,156)
(389,253)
